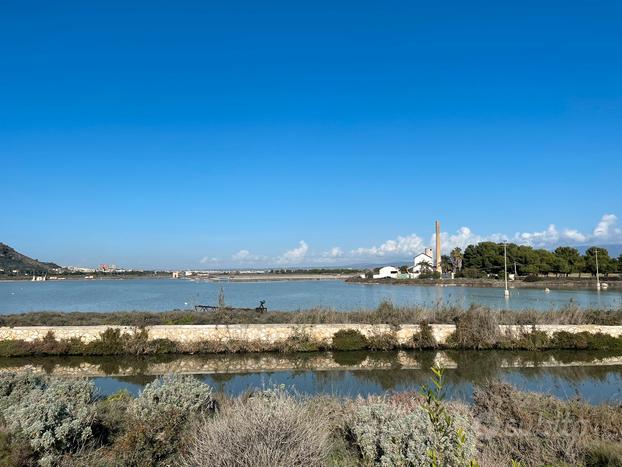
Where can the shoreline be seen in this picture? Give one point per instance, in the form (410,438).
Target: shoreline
(587,284)
(552,284)
(217,279)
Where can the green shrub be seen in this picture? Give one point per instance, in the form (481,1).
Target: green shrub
(174,393)
(349,339)
(271,429)
(533,340)
(56,419)
(472,273)
(15,387)
(157,420)
(569,340)
(387,434)
(109,343)
(382,341)
(600,341)
(298,341)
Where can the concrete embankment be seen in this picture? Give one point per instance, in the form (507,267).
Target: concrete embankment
(273,333)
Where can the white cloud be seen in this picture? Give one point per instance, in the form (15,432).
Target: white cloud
(241,255)
(410,244)
(402,247)
(207,259)
(606,228)
(245,256)
(334,252)
(295,255)
(545,237)
(574,235)
(462,238)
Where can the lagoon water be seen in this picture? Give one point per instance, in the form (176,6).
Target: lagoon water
(168,294)
(593,376)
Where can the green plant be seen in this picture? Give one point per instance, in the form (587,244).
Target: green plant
(382,341)
(349,339)
(56,419)
(386,433)
(449,442)
(15,387)
(298,341)
(173,394)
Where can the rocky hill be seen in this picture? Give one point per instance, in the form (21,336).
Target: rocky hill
(11,260)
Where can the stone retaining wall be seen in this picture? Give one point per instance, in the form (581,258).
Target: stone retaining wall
(270,333)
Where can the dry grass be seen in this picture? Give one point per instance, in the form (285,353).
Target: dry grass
(539,429)
(274,430)
(476,329)
(385,313)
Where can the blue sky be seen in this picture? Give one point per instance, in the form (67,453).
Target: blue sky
(201,134)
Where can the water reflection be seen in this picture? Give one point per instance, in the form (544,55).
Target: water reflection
(594,376)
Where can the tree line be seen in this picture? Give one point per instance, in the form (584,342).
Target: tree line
(486,258)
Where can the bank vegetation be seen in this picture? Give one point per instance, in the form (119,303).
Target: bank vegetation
(475,328)
(178,420)
(385,313)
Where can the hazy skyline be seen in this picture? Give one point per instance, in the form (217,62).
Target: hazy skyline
(199,134)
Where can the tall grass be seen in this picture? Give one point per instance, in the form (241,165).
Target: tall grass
(385,313)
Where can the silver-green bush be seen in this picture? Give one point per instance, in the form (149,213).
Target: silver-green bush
(392,435)
(14,387)
(271,429)
(174,393)
(56,418)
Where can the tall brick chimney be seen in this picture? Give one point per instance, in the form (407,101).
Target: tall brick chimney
(437,257)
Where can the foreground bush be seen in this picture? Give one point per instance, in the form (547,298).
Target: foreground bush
(537,429)
(56,418)
(173,394)
(15,387)
(390,434)
(267,430)
(157,420)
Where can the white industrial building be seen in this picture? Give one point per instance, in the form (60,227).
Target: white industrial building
(387,271)
(423,262)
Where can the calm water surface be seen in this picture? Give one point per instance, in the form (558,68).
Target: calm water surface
(593,376)
(167,294)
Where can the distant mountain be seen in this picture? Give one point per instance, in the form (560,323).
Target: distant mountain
(12,260)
